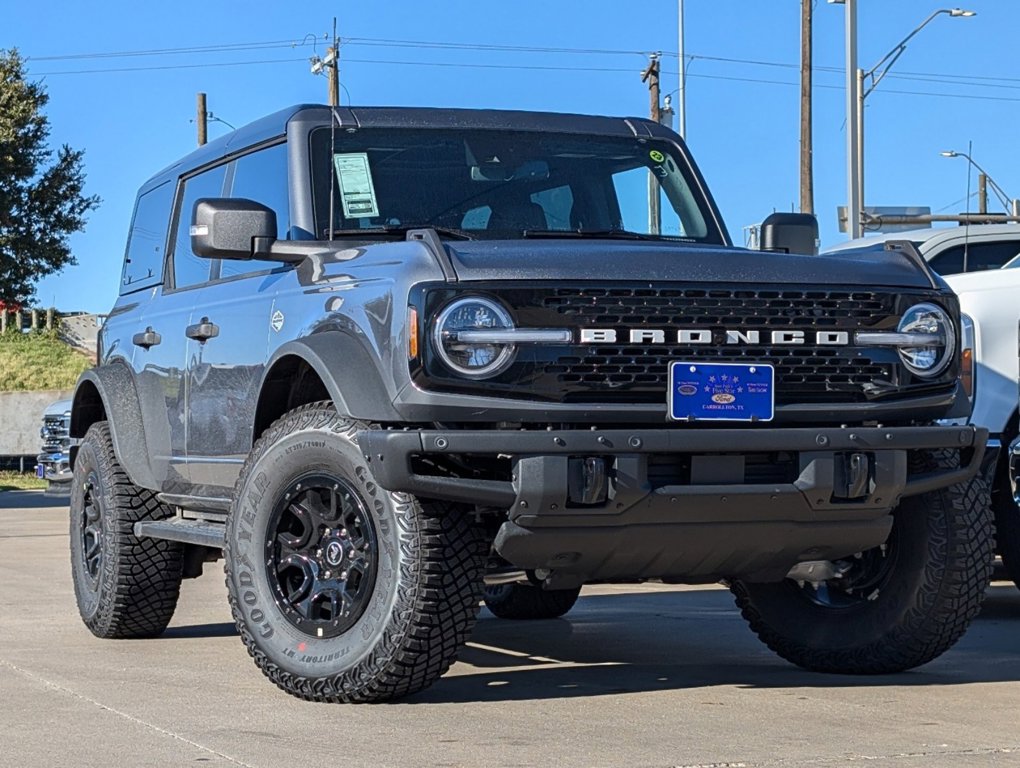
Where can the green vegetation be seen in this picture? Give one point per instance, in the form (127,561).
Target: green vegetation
(16,481)
(42,200)
(38,360)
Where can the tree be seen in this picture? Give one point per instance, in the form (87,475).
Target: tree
(41,199)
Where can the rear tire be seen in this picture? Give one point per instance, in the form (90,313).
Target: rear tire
(915,598)
(341,590)
(525,601)
(1007,527)
(125,586)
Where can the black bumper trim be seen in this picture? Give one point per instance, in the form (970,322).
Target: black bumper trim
(389,452)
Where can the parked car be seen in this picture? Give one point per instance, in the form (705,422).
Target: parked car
(392,362)
(978,262)
(953,250)
(53,463)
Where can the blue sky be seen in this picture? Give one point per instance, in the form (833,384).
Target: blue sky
(955,84)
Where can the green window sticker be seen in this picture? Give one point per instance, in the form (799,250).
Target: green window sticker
(357,192)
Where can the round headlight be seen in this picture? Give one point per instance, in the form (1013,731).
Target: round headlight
(936,340)
(474,358)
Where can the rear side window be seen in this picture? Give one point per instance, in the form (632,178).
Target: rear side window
(975,257)
(190,269)
(146,248)
(261,176)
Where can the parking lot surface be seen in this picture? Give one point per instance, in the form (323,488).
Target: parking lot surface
(635,675)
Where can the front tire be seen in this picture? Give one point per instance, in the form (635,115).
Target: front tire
(900,605)
(125,586)
(341,590)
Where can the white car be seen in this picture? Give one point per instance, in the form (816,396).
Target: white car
(979,263)
(953,250)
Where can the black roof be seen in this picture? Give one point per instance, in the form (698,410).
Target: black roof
(275,126)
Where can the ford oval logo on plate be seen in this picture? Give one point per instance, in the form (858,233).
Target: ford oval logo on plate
(721,391)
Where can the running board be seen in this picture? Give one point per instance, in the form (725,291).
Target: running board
(186,531)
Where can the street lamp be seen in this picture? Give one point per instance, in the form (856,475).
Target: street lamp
(855,85)
(999,193)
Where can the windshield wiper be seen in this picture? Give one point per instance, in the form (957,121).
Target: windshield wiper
(608,234)
(401,229)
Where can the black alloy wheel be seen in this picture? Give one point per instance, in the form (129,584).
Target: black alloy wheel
(321,555)
(865,576)
(91,530)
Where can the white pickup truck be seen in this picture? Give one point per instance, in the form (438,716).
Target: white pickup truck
(979,263)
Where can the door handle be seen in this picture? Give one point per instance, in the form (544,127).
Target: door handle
(148,338)
(203,330)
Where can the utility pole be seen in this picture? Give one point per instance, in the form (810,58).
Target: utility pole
(681,95)
(807,185)
(333,69)
(651,76)
(201,119)
(853,194)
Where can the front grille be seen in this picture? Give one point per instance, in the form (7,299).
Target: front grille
(626,371)
(803,372)
(55,434)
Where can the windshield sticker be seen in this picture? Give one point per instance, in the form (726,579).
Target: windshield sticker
(356,190)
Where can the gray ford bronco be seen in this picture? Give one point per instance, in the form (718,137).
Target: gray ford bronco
(391,363)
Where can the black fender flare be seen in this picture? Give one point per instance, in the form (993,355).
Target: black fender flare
(348,370)
(115,386)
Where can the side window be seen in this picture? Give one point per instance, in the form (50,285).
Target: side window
(949,262)
(143,262)
(262,176)
(557,204)
(975,257)
(190,269)
(981,256)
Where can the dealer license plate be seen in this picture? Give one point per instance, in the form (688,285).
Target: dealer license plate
(721,391)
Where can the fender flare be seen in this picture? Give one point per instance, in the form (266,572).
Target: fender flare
(348,370)
(114,383)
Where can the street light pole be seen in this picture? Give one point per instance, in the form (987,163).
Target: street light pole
(681,98)
(853,125)
(876,73)
(856,93)
(1007,202)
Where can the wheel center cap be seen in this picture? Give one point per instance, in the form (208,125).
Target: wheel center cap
(334,553)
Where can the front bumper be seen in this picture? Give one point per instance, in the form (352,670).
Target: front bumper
(711,524)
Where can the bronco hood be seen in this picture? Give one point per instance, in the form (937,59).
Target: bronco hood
(580,259)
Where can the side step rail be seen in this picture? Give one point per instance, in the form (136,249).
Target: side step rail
(199,532)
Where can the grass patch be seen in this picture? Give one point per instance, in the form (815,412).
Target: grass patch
(38,360)
(18,481)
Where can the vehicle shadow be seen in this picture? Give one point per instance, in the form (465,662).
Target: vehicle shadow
(198,631)
(21,500)
(655,641)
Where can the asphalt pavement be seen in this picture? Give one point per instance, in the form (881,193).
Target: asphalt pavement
(635,675)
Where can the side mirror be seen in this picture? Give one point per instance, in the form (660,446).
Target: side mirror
(790,233)
(232,228)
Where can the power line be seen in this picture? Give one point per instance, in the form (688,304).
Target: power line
(441,45)
(526,67)
(951,79)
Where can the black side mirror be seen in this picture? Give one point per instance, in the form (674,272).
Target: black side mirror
(232,228)
(790,233)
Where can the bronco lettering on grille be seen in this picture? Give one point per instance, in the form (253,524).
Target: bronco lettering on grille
(704,336)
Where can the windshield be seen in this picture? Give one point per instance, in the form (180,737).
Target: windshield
(507,184)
